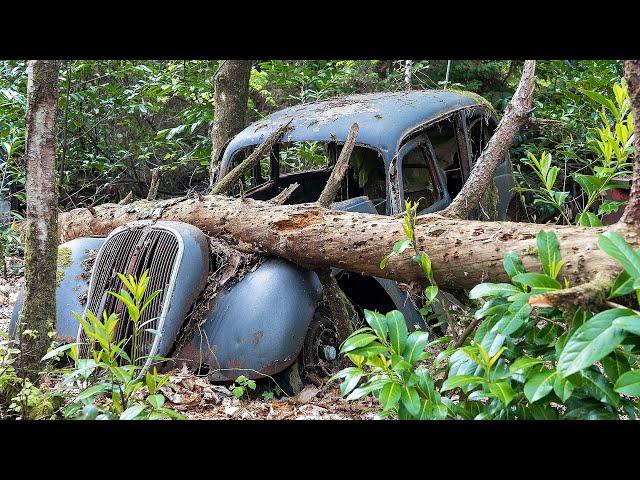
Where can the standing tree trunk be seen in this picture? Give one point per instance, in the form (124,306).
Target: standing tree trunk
(38,311)
(231,84)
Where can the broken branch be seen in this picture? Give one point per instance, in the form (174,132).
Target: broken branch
(337,174)
(284,195)
(155,181)
(127,199)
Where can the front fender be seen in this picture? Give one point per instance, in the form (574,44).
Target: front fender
(72,281)
(258,326)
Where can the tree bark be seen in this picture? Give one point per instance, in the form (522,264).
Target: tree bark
(514,118)
(38,311)
(631,213)
(231,84)
(463,252)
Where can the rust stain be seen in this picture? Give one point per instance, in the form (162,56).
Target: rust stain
(257,336)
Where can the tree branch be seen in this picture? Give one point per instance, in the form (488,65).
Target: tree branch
(226,183)
(515,117)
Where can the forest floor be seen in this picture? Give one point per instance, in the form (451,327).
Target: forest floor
(198,399)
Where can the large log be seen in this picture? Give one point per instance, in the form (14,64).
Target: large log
(463,252)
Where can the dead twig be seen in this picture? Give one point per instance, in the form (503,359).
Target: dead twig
(155,181)
(284,195)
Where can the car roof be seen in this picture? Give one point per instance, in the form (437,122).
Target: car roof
(384,118)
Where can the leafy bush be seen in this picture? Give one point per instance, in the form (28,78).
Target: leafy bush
(547,363)
(611,144)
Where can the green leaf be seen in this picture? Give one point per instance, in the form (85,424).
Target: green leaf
(622,286)
(629,324)
(430,293)
(596,338)
(389,395)
(397,330)
(366,389)
(588,219)
(629,383)
(415,346)
(615,364)
(503,391)
(378,322)
(600,388)
(538,281)
(540,385)
(132,412)
(461,381)
(548,251)
(57,351)
(513,265)
(156,401)
(357,341)
(523,363)
(493,290)
(411,400)
(614,245)
(563,388)
(518,314)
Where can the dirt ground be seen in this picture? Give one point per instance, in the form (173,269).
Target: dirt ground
(198,399)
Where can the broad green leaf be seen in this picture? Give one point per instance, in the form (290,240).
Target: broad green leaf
(622,286)
(513,265)
(562,387)
(415,345)
(411,400)
(615,364)
(538,281)
(156,401)
(503,391)
(629,324)
(357,341)
(461,381)
(518,314)
(629,383)
(389,395)
(617,248)
(596,338)
(548,251)
(523,363)
(378,322)
(365,390)
(540,385)
(397,330)
(600,388)
(132,412)
(57,351)
(493,290)
(588,219)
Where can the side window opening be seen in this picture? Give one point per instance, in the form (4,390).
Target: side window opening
(418,177)
(443,138)
(257,176)
(366,177)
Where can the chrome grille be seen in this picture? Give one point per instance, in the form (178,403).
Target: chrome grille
(131,251)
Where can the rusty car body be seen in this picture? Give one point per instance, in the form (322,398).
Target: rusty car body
(417,145)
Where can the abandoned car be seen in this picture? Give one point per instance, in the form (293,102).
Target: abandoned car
(417,145)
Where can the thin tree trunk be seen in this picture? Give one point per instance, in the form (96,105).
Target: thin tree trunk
(38,312)
(231,84)
(632,76)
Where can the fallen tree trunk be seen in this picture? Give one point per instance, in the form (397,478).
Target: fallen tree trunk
(463,252)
